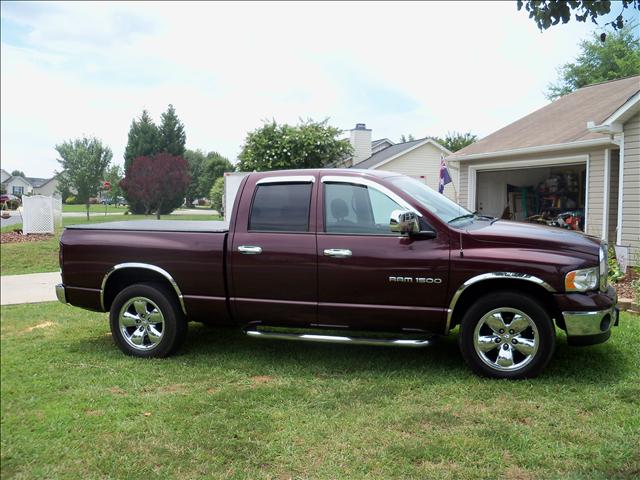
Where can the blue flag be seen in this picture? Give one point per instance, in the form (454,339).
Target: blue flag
(444,175)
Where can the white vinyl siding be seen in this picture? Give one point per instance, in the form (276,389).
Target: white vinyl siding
(631,189)
(424,161)
(595,196)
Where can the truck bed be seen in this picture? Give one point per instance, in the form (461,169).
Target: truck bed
(206,226)
(190,252)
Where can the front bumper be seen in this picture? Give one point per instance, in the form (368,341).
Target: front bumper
(588,327)
(61,293)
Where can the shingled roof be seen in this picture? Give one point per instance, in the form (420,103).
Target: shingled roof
(562,121)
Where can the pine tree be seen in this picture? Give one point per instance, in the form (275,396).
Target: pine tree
(172,135)
(144,139)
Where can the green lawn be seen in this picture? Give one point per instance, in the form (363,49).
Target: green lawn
(94,209)
(228,406)
(42,256)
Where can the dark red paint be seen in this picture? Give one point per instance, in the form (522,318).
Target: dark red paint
(293,284)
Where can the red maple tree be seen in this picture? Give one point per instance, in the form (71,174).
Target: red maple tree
(156,182)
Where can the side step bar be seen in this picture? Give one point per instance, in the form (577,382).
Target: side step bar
(308,337)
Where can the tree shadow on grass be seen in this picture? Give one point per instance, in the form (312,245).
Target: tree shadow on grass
(601,364)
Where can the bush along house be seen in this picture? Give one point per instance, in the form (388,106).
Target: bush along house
(574,163)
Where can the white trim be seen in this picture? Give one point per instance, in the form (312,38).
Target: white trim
(519,164)
(613,124)
(586,194)
(620,192)
(605,202)
(596,142)
(418,145)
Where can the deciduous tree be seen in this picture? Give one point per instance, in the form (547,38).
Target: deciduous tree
(310,144)
(156,181)
(551,12)
(18,173)
(216,194)
(114,175)
(454,141)
(618,57)
(215,166)
(83,163)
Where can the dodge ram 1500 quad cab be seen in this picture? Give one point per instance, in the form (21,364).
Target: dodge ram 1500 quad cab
(347,256)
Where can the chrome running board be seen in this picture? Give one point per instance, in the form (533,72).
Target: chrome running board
(309,337)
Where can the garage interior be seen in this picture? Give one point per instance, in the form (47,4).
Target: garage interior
(553,195)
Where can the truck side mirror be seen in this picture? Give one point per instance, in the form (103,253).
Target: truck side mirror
(404,222)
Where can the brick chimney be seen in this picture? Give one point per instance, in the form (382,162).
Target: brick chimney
(360,142)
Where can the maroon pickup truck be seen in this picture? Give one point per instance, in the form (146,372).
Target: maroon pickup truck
(346,256)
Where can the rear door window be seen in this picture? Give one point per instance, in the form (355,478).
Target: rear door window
(281,207)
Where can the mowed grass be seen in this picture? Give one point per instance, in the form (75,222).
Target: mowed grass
(42,256)
(227,406)
(94,208)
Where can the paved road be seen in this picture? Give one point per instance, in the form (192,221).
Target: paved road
(30,288)
(12,220)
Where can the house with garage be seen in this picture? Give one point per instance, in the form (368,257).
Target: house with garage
(419,159)
(576,158)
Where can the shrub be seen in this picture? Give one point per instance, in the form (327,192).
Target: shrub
(615,273)
(216,193)
(70,200)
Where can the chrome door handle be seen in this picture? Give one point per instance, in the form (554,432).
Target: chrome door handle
(250,250)
(337,252)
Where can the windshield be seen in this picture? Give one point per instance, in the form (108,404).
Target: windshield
(445,209)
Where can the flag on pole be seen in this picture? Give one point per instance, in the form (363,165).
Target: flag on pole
(444,175)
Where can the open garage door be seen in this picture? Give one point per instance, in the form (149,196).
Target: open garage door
(538,194)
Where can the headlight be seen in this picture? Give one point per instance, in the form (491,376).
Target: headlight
(582,280)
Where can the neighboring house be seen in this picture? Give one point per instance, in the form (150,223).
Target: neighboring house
(18,185)
(4,175)
(585,146)
(419,159)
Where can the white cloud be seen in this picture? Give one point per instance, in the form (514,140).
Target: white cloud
(423,68)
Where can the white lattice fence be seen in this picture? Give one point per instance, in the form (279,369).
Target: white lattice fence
(40,214)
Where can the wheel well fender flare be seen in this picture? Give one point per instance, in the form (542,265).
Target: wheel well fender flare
(140,266)
(488,277)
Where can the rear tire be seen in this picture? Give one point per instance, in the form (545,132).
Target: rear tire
(146,320)
(507,335)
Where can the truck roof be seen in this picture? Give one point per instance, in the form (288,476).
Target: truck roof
(357,172)
(210,226)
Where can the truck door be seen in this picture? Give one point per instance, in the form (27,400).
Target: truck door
(371,278)
(273,257)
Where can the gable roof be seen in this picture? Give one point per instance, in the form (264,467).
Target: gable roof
(560,122)
(35,182)
(38,182)
(387,154)
(380,141)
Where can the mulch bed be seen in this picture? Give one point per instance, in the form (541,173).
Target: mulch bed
(624,288)
(17,237)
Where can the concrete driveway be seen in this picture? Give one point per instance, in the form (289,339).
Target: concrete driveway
(29,288)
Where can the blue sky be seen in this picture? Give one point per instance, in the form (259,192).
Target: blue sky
(71,69)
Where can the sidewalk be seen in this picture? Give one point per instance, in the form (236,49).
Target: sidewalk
(30,288)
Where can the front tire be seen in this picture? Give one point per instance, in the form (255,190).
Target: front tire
(507,335)
(147,321)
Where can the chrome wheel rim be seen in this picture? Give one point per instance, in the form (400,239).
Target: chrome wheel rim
(506,339)
(141,323)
